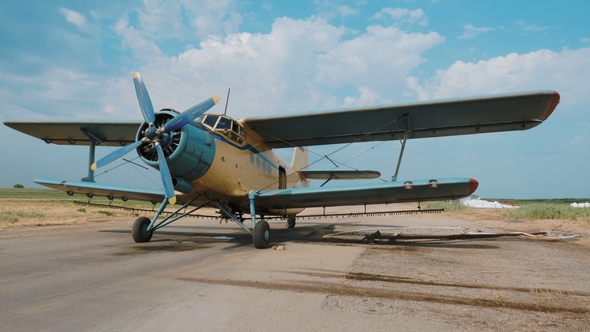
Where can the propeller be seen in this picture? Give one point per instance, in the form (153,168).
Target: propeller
(157,136)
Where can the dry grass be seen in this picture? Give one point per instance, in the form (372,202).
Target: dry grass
(18,213)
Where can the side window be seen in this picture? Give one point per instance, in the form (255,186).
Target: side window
(224,123)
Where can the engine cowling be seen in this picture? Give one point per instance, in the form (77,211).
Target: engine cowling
(189,150)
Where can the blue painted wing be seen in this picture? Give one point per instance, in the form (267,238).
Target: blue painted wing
(104,190)
(421,120)
(381,193)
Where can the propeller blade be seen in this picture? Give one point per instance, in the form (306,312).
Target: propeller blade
(109,158)
(145,103)
(190,114)
(165,173)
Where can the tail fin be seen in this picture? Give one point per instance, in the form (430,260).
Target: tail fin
(299,163)
(300,159)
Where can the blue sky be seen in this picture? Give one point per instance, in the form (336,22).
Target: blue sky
(73,60)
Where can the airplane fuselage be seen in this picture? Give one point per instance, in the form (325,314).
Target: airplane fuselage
(224,159)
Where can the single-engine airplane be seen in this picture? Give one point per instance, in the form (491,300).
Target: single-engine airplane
(213,160)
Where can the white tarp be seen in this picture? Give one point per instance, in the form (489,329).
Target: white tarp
(580,205)
(483,204)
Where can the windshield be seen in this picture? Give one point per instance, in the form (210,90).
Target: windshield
(226,127)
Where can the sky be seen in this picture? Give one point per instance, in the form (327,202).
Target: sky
(73,60)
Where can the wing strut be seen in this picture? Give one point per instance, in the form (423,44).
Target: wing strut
(401,152)
(94,140)
(399,160)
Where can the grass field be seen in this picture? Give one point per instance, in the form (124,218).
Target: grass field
(527,209)
(37,207)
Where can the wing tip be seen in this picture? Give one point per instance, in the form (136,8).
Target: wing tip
(553,105)
(473,184)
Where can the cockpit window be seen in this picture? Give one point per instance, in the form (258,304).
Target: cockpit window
(211,120)
(226,127)
(224,123)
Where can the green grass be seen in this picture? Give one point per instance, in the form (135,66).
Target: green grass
(549,211)
(7,216)
(107,213)
(447,206)
(14,217)
(528,209)
(29,193)
(519,202)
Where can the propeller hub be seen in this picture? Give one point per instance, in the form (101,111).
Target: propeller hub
(150,132)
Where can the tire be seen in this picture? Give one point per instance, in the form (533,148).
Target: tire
(139,230)
(290,221)
(261,235)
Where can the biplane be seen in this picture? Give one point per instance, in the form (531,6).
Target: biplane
(207,159)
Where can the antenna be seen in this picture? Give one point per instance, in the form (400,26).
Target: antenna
(226,101)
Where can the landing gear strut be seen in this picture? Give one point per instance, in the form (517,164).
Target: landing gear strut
(143,228)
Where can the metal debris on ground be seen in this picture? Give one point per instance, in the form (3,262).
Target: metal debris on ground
(393,234)
(279,248)
(368,214)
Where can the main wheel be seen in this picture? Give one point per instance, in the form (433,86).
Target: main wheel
(139,230)
(261,235)
(290,221)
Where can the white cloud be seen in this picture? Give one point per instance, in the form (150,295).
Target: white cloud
(73,17)
(470,31)
(366,98)
(185,19)
(329,9)
(533,28)
(136,40)
(585,40)
(402,15)
(577,139)
(565,72)
(346,11)
(300,65)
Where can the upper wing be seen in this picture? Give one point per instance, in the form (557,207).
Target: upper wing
(380,193)
(431,119)
(79,133)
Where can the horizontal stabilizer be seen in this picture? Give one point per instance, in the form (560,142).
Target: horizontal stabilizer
(340,174)
(91,189)
(380,193)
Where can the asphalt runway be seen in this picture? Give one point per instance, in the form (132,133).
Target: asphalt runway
(199,275)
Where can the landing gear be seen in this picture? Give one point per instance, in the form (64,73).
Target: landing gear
(139,230)
(261,234)
(290,221)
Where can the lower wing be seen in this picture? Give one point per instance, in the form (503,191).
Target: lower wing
(91,189)
(381,193)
